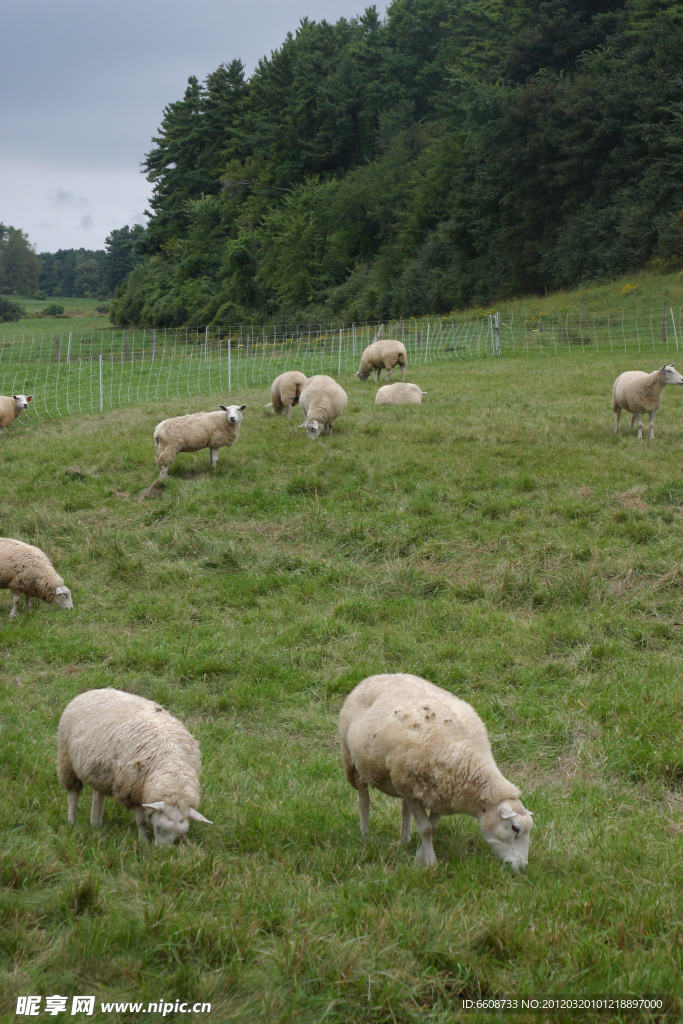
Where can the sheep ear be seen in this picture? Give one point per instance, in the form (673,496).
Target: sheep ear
(61,590)
(29,398)
(158,806)
(243,407)
(506,811)
(196,816)
(223,407)
(301,425)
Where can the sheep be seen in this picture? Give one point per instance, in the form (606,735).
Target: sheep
(27,570)
(12,407)
(638,392)
(134,750)
(322,400)
(399,394)
(286,390)
(191,433)
(382,354)
(411,739)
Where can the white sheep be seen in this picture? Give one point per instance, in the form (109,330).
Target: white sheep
(638,392)
(132,749)
(322,400)
(411,739)
(400,394)
(197,430)
(25,569)
(12,407)
(382,354)
(285,391)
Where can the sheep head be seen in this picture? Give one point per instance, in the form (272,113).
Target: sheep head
(234,412)
(314,428)
(170,822)
(671,376)
(21,401)
(506,829)
(63,597)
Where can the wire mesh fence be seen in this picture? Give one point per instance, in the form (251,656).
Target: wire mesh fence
(69,373)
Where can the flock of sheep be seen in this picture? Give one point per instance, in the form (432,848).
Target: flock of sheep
(399,733)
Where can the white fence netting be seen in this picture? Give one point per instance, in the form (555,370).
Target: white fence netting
(86,372)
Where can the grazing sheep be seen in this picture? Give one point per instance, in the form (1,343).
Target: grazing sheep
(380,355)
(191,433)
(27,570)
(12,407)
(638,392)
(411,739)
(134,750)
(322,400)
(286,390)
(399,394)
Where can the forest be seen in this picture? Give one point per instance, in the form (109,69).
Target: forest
(452,153)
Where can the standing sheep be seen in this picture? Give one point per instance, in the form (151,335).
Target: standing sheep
(12,407)
(638,392)
(134,750)
(27,570)
(197,430)
(400,394)
(382,355)
(285,391)
(411,739)
(322,400)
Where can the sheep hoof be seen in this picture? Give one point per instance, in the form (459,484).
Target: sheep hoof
(425,858)
(154,490)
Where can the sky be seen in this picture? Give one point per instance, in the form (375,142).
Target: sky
(83,85)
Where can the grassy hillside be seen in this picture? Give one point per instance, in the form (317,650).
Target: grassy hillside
(500,541)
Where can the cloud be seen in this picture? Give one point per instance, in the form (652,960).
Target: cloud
(86,222)
(62,197)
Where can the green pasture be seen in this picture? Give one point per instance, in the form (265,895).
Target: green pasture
(501,541)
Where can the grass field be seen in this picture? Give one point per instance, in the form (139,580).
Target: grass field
(500,541)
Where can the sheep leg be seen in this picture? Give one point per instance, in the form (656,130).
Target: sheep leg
(139,813)
(28,603)
(652,426)
(163,472)
(406,822)
(328,428)
(15,604)
(97,808)
(213,456)
(388,375)
(425,855)
(639,420)
(364,808)
(403,373)
(288,410)
(633,420)
(72,801)
(616,421)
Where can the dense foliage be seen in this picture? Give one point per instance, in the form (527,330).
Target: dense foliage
(10,310)
(73,273)
(19,267)
(452,153)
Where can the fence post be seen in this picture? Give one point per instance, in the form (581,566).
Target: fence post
(68,347)
(665,337)
(497,335)
(671,309)
(125,346)
(340,347)
(58,347)
(229,361)
(154,344)
(206,343)
(101,388)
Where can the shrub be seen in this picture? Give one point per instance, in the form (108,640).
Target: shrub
(53,310)
(10,310)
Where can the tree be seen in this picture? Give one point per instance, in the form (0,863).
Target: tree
(122,253)
(19,266)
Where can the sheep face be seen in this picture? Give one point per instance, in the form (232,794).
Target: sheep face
(170,823)
(314,428)
(234,412)
(506,829)
(364,372)
(671,376)
(21,401)
(63,597)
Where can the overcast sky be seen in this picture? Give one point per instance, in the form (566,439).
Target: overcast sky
(83,84)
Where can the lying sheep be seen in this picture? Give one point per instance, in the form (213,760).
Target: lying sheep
(322,400)
(12,407)
(638,392)
(399,394)
(380,355)
(285,391)
(411,739)
(27,570)
(132,749)
(191,433)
